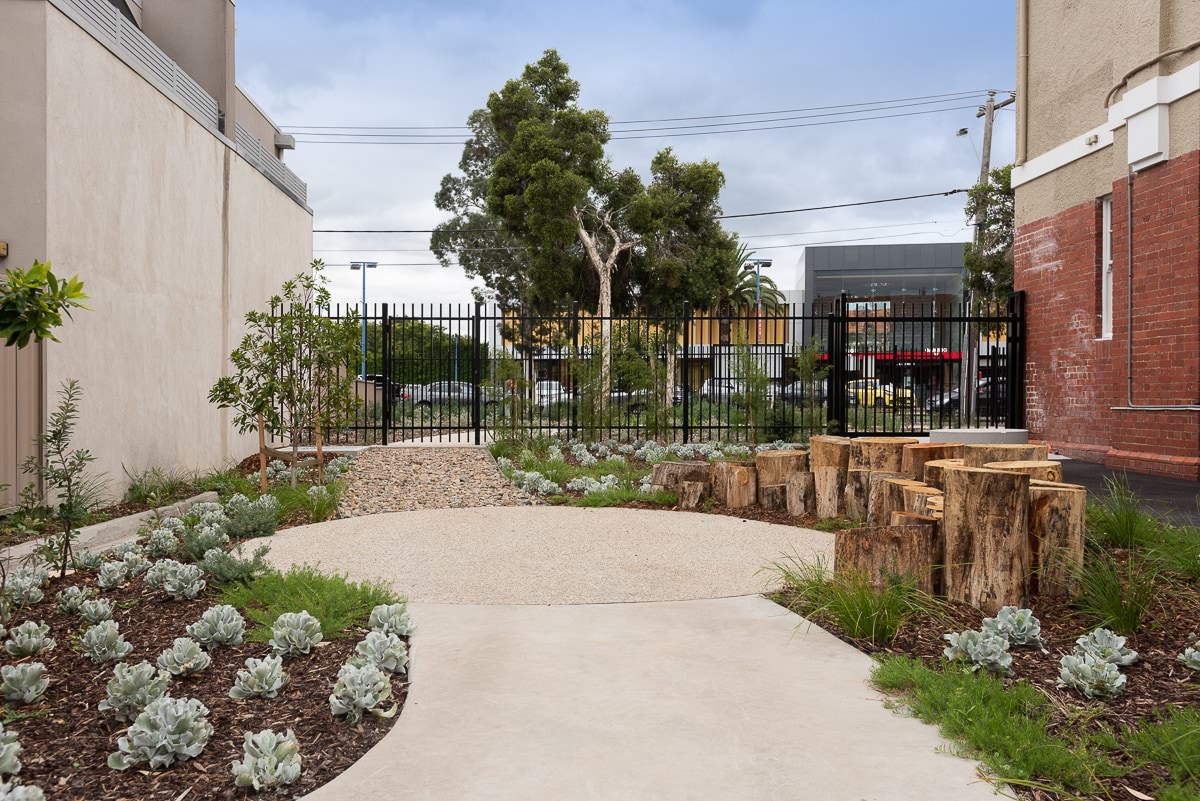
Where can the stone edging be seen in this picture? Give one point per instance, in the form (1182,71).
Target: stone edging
(100,536)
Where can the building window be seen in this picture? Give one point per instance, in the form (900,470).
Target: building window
(1106,268)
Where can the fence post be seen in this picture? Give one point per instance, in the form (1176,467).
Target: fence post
(837,369)
(476,378)
(387,372)
(573,404)
(686,383)
(1014,358)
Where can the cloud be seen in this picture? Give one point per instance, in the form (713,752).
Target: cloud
(426,63)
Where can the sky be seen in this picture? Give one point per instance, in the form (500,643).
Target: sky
(423,63)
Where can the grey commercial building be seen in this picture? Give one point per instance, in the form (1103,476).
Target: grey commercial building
(898,273)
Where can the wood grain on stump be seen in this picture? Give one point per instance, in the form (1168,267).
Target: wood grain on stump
(668,475)
(879,453)
(825,450)
(939,546)
(692,494)
(1057,524)
(916,498)
(986,530)
(740,485)
(772,496)
(831,486)
(858,488)
(776,467)
(917,454)
(802,494)
(934,469)
(883,553)
(1042,471)
(720,478)
(979,455)
(886,496)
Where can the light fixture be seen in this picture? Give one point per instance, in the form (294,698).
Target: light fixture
(962,132)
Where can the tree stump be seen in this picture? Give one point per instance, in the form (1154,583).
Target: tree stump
(858,489)
(916,498)
(986,530)
(692,494)
(881,553)
(773,497)
(979,455)
(1042,471)
(801,494)
(721,472)
(830,486)
(740,485)
(917,454)
(939,547)
(1057,524)
(886,496)
(828,451)
(935,506)
(879,453)
(669,475)
(776,467)
(934,470)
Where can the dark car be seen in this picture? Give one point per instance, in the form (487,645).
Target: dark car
(803,393)
(446,393)
(991,398)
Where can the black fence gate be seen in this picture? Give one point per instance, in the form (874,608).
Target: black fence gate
(468,373)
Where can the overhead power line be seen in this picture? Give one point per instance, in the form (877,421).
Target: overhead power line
(945,95)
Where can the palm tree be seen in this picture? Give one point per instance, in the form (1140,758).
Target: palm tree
(739,284)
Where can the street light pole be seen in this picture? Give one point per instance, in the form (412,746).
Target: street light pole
(364,266)
(758,265)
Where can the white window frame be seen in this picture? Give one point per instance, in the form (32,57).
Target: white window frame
(1106,268)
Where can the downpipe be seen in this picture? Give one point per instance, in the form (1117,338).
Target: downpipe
(1130,406)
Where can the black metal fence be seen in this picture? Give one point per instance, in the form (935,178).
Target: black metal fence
(871,366)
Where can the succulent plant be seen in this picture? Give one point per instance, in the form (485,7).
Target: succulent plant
(28,639)
(295,633)
(1095,678)
(162,542)
(248,518)
(87,560)
(219,625)
(135,563)
(133,687)
(159,571)
(104,642)
(385,651)
(195,542)
(96,610)
(183,582)
(22,589)
(167,731)
(71,599)
(112,575)
(1191,656)
(391,619)
(24,683)
(184,658)
(361,689)
(21,792)
(1018,626)
(10,753)
(122,550)
(981,650)
(262,678)
(1106,646)
(269,761)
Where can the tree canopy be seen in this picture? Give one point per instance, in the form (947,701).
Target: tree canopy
(989,259)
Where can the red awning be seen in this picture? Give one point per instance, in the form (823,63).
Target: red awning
(906,356)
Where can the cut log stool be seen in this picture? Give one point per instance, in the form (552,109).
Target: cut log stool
(939,546)
(935,468)
(773,497)
(829,457)
(886,495)
(882,553)
(735,484)
(668,475)
(979,455)
(916,455)
(1042,471)
(801,494)
(776,467)
(916,498)
(1057,524)
(986,530)
(692,494)
(879,453)
(721,472)
(858,489)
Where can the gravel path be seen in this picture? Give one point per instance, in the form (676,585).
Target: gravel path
(551,554)
(407,479)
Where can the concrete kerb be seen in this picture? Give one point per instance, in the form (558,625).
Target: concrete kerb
(100,536)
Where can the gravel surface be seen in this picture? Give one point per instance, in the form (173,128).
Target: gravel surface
(407,479)
(550,554)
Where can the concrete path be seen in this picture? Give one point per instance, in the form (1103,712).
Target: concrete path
(552,554)
(532,681)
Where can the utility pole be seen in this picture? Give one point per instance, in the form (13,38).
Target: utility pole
(970,382)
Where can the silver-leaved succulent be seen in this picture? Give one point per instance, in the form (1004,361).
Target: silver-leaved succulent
(294,634)
(1017,625)
(96,610)
(167,731)
(980,650)
(1106,646)
(185,657)
(132,687)
(10,753)
(361,690)
(72,598)
(261,678)
(391,619)
(1095,678)
(28,639)
(385,651)
(104,642)
(219,625)
(24,683)
(269,761)
(112,575)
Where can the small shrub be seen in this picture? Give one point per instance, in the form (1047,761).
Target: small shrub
(167,731)
(360,690)
(322,502)
(184,658)
(333,599)
(262,678)
(1104,646)
(113,575)
(227,567)
(1093,677)
(156,486)
(295,634)
(133,687)
(385,651)
(981,650)
(219,625)
(195,542)
(1113,595)
(248,519)
(96,611)
(391,619)
(268,761)
(1117,519)
(24,683)
(1178,551)
(104,642)
(10,753)
(28,639)
(1017,626)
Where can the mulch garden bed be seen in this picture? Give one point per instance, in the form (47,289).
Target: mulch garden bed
(66,741)
(1155,682)
(10,537)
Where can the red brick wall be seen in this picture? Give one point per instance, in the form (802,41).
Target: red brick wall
(1074,380)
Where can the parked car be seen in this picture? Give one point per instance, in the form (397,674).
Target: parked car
(446,393)
(728,390)
(805,392)
(548,393)
(872,392)
(990,397)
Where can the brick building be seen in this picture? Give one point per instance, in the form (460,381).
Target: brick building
(1108,142)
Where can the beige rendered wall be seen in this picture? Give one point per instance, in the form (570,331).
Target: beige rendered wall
(22,218)
(1078,50)
(144,203)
